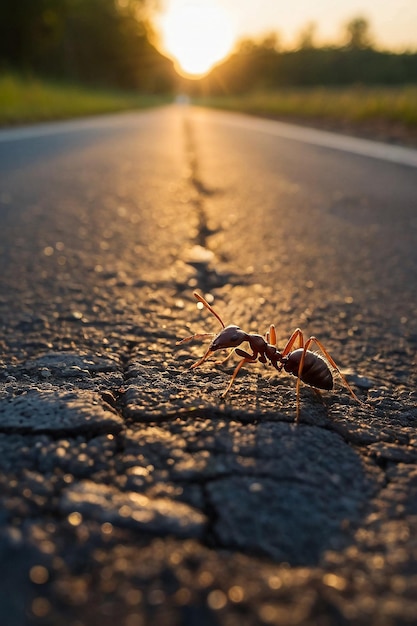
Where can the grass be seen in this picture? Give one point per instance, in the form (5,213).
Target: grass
(356,104)
(25,100)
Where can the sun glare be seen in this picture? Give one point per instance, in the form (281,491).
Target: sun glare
(197,34)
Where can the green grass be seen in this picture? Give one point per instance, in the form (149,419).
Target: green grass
(347,104)
(24,100)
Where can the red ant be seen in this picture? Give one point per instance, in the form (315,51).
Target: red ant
(307,366)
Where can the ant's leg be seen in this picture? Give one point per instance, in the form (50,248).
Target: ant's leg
(271,336)
(240,352)
(300,371)
(203,358)
(316,391)
(297,334)
(198,336)
(236,372)
(225,359)
(333,364)
(250,357)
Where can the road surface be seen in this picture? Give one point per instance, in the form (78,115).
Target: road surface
(132,493)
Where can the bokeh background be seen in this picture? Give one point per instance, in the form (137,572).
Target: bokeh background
(339,61)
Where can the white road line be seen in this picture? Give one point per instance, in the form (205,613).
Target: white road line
(44,129)
(364,147)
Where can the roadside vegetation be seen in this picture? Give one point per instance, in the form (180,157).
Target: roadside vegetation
(349,104)
(350,85)
(100,56)
(382,109)
(25,100)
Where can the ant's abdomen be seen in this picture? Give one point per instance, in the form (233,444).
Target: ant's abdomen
(315,372)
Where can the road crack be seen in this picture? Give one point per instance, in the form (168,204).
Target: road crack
(202,257)
(201,189)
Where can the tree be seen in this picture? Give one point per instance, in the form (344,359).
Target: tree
(103,42)
(307,36)
(358,35)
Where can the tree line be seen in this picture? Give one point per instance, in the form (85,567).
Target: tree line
(99,42)
(109,43)
(264,65)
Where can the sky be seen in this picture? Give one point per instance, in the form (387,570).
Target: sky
(393,22)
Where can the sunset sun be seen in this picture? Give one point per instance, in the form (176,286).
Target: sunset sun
(197,34)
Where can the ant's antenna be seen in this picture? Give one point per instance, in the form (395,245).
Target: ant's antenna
(206,304)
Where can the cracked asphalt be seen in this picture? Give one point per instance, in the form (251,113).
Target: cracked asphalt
(131,492)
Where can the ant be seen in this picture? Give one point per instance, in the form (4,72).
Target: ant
(296,358)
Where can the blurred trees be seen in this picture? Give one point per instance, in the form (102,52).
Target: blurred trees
(107,42)
(101,42)
(358,34)
(262,66)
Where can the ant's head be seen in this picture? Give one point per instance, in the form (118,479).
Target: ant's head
(229,337)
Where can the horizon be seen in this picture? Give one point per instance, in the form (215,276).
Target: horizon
(185,27)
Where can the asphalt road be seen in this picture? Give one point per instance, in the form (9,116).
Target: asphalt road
(131,492)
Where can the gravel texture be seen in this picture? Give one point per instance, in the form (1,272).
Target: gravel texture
(131,491)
